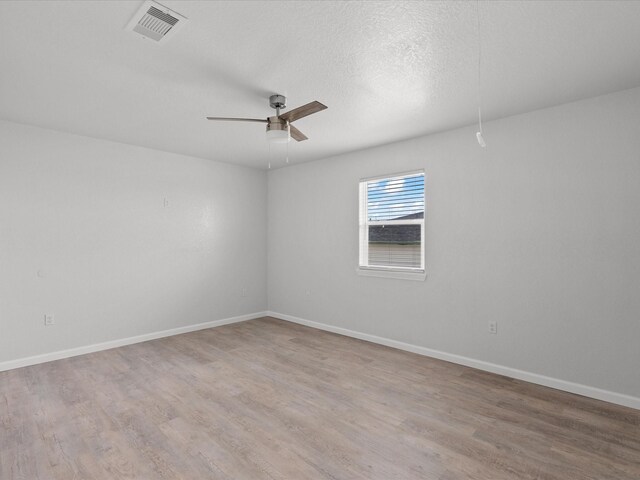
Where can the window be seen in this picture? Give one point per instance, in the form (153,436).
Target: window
(392,226)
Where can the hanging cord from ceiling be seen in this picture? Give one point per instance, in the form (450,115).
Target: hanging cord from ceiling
(479,132)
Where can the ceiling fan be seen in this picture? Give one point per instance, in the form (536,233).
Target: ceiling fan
(279,127)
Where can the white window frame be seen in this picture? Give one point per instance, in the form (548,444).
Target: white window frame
(406,273)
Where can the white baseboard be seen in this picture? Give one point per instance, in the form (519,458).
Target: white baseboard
(96,347)
(585,390)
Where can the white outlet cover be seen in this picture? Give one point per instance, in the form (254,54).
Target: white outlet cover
(49,320)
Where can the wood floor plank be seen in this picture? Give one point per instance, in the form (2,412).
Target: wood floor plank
(268,399)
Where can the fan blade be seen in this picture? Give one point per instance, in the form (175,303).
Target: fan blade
(228,119)
(296,134)
(303,111)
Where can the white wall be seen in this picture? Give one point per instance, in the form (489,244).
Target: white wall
(539,231)
(85,235)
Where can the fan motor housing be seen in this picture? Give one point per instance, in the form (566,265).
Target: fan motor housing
(276,123)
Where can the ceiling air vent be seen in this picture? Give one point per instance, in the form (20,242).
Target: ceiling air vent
(156,22)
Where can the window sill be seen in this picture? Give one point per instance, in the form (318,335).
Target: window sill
(419,275)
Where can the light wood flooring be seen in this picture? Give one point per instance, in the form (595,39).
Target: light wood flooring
(267,399)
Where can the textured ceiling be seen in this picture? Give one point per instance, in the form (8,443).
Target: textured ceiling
(386,70)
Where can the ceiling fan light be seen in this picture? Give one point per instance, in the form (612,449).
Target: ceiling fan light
(277,135)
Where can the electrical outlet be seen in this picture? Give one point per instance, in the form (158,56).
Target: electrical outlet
(49,319)
(493,328)
(244,292)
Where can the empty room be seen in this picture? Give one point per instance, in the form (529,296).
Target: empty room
(319,240)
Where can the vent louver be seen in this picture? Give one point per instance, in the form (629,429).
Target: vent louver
(155,21)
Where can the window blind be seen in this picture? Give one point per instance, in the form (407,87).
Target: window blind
(392,222)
